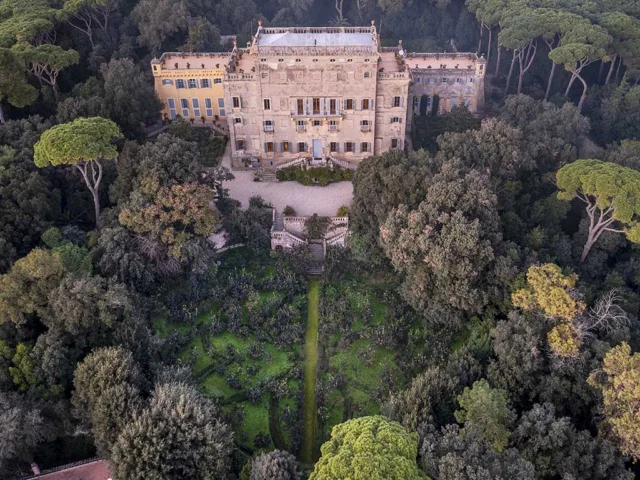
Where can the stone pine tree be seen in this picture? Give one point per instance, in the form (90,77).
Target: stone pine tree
(611,194)
(83,143)
(369,448)
(13,83)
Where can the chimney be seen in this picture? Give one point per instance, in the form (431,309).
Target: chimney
(35,468)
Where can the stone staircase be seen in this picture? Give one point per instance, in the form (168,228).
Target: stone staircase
(316,259)
(278,222)
(266,175)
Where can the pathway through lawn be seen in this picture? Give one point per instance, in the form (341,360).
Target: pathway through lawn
(309,408)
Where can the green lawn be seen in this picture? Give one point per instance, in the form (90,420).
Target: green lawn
(309,409)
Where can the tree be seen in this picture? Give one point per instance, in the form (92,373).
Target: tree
(45,61)
(157,21)
(174,216)
(369,448)
(13,83)
(625,31)
(383,183)
(25,289)
(129,97)
(612,196)
(83,143)
(488,410)
(582,46)
(463,454)
(276,465)
(106,394)
(84,15)
(519,31)
(619,382)
(179,435)
(449,248)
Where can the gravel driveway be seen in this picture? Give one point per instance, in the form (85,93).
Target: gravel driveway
(305,200)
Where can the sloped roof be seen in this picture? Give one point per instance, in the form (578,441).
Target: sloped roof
(98,470)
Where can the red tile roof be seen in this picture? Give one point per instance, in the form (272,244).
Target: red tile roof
(98,470)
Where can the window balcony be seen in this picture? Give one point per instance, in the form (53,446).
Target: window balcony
(268,128)
(301,128)
(333,128)
(320,114)
(365,128)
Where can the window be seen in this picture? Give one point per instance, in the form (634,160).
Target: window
(365,125)
(240,144)
(428,101)
(470,79)
(454,102)
(265,75)
(333,147)
(333,60)
(349,104)
(268,125)
(364,147)
(269,147)
(298,60)
(349,147)
(300,106)
(263,59)
(172,108)
(196,107)
(267,103)
(365,104)
(317,123)
(280,60)
(315,60)
(205,83)
(350,60)
(416,102)
(418,79)
(209,106)
(333,106)
(180,83)
(458,80)
(367,60)
(300,126)
(221,103)
(223,112)
(217,80)
(316,106)
(396,102)
(302,147)
(432,80)
(166,81)
(193,83)
(467,101)
(286,147)
(184,104)
(333,125)
(367,74)
(394,143)
(235,101)
(237,121)
(396,120)
(444,80)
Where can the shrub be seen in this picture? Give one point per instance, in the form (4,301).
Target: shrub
(343,211)
(322,175)
(289,211)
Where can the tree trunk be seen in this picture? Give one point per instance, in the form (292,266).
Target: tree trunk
(600,71)
(489,46)
(513,62)
(93,184)
(618,71)
(587,247)
(2,120)
(613,64)
(550,81)
(498,60)
(573,79)
(584,93)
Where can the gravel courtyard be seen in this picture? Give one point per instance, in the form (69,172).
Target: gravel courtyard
(305,200)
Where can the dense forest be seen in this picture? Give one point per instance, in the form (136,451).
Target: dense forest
(482,324)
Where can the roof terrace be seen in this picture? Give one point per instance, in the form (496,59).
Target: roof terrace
(192,61)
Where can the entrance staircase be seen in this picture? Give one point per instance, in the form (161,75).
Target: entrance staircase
(266,175)
(315,266)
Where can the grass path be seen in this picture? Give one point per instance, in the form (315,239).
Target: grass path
(309,408)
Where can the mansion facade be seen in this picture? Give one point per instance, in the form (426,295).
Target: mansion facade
(316,93)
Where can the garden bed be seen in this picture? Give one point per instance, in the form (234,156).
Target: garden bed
(314,175)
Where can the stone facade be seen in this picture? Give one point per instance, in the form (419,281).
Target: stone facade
(319,93)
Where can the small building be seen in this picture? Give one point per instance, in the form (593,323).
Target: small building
(94,469)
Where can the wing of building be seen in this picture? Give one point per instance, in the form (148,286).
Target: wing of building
(322,93)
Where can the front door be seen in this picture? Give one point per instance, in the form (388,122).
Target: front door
(317,149)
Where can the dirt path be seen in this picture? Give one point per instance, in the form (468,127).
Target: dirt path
(309,408)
